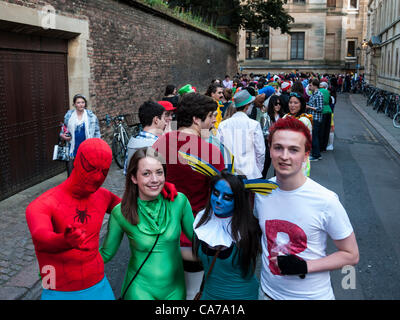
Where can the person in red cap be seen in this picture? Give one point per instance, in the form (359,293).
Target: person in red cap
(169,113)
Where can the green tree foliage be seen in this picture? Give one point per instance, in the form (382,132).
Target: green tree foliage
(255,15)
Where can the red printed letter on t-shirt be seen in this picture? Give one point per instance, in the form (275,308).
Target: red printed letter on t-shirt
(283,238)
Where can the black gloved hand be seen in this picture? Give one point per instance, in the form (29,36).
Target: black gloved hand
(292,265)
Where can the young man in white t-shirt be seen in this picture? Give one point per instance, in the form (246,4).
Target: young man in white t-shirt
(296,220)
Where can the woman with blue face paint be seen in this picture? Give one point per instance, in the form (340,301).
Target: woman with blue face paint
(228,224)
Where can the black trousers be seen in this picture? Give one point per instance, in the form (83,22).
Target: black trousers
(324,131)
(316,138)
(70,166)
(267,162)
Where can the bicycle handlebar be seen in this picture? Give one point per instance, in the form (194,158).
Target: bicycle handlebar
(108,119)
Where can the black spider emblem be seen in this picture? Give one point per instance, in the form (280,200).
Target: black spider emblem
(82,216)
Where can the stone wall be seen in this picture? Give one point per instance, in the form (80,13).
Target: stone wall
(129,54)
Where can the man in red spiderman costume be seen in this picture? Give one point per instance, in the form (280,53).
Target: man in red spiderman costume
(65,224)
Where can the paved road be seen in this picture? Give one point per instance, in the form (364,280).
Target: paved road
(364,172)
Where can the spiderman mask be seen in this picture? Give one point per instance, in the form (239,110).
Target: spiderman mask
(91,167)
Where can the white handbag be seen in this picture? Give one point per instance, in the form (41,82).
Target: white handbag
(61,153)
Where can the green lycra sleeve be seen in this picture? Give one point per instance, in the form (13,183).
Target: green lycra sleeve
(187,220)
(113,238)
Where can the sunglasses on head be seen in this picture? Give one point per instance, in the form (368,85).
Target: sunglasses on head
(295,94)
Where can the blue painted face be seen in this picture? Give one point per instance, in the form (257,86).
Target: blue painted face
(222,201)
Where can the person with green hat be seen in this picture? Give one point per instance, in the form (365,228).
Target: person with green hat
(186,89)
(243,137)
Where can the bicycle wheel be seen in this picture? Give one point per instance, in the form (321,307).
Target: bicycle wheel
(125,139)
(396,120)
(386,107)
(118,152)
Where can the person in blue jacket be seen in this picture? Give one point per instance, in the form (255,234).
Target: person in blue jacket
(81,124)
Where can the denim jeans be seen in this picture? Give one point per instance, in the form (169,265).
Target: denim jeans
(315,152)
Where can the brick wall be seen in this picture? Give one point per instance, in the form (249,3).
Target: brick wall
(134,54)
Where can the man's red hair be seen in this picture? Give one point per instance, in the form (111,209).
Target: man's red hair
(291,123)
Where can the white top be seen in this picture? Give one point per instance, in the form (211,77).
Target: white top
(216,232)
(228,84)
(298,222)
(244,138)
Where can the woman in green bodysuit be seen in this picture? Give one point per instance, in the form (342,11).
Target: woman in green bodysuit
(142,215)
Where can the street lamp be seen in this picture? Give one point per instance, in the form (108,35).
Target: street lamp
(358,55)
(364,44)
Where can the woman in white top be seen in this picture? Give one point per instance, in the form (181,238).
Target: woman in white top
(81,124)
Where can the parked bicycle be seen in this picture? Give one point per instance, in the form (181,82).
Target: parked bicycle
(390,109)
(378,100)
(383,101)
(120,138)
(372,95)
(396,117)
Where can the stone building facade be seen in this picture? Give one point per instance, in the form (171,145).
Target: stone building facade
(382,53)
(323,38)
(117,53)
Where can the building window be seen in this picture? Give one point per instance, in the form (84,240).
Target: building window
(256,47)
(331,3)
(398,13)
(297,46)
(397,63)
(353,4)
(351,49)
(299,1)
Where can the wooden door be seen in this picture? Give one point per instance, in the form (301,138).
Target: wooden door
(33,101)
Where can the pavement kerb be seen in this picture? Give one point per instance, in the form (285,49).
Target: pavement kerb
(386,135)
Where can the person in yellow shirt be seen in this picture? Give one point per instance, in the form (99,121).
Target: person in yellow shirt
(216,92)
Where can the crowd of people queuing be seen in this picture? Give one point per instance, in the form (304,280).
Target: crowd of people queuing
(197,208)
